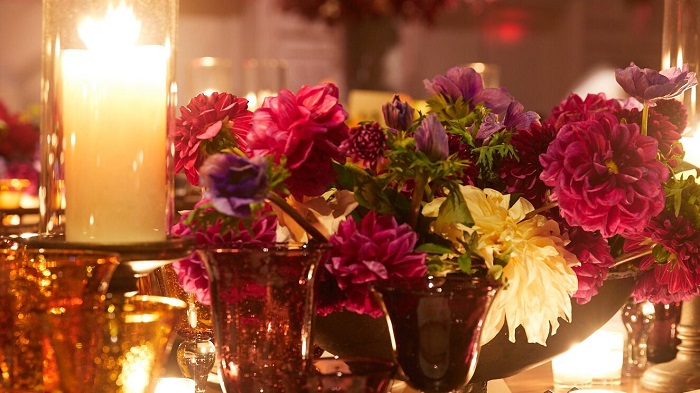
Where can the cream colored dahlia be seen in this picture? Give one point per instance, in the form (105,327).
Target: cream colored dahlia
(537,273)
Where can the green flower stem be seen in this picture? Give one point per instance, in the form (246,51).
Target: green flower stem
(545,207)
(416,199)
(310,229)
(629,257)
(645,118)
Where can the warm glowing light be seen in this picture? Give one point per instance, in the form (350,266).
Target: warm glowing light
(175,385)
(598,359)
(118,29)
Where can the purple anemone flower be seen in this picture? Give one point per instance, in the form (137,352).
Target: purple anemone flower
(431,139)
(648,85)
(398,114)
(233,183)
(466,83)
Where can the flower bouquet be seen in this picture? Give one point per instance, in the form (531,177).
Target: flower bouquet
(476,184)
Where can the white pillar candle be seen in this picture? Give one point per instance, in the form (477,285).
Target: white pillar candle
(114,110)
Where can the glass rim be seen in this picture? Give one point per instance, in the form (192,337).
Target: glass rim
(425,283)
(69,252)
(266,246)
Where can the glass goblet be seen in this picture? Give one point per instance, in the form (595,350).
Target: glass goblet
(435,325)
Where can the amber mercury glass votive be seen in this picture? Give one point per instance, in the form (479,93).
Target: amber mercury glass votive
(34,284)
(136,335)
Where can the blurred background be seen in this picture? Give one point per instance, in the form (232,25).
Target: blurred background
(540,50)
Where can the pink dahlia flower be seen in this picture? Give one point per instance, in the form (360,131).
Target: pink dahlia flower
(206,126)
(574,108)
(307,128)
(366,143)
(191,271)
(677,278)
(606,176)
(376,248)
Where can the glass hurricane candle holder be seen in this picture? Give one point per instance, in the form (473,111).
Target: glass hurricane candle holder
(108,89)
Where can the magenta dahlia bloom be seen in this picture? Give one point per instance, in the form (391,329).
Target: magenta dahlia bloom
(307,129)
(376,248)
(594,253)
(677,278)
(606,176)
(522,175)
(366,143)
(206,126)
(648,85)
(574,108)
(191,271)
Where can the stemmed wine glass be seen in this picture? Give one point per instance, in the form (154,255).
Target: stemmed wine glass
(435,325)
(196,353)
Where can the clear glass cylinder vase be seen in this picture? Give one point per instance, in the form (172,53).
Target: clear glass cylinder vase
(681,45)
(108,96)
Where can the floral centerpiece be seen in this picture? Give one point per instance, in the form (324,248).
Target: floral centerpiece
(476,185)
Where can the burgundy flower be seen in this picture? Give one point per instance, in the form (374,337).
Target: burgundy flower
(660,128)
(675,111)
(376,248)
(206,126)
(191,271)
(522,175)
(648,85)
(678,277)
(606,176)
(308,126)
(233,183)
(431,138)
(366,143)
(594,253)
(398,114)
(19,139)
(574,108)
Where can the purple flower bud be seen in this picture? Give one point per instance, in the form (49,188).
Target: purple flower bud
(649,85)
(398,114)
(431,138)
(233,183)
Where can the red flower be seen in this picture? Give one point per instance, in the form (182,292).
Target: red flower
(377,248)
(366,143)
(660,128)
(574,109)
(675,111)
(522,175)
(594,253)
(305,128)
(206,126)
(606,176)
(677,278)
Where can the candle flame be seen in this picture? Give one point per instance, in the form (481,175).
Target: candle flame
(118,29)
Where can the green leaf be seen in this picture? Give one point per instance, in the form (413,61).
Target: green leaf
(454,210)
(432,248)
(465,262)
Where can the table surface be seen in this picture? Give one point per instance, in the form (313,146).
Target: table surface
(539,379)
(536,380)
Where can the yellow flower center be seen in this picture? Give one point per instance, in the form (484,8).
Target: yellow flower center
(612,167)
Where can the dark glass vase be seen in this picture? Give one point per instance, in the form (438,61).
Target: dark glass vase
(436,327)
(262,304)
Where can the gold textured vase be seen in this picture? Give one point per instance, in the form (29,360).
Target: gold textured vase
(36,284)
